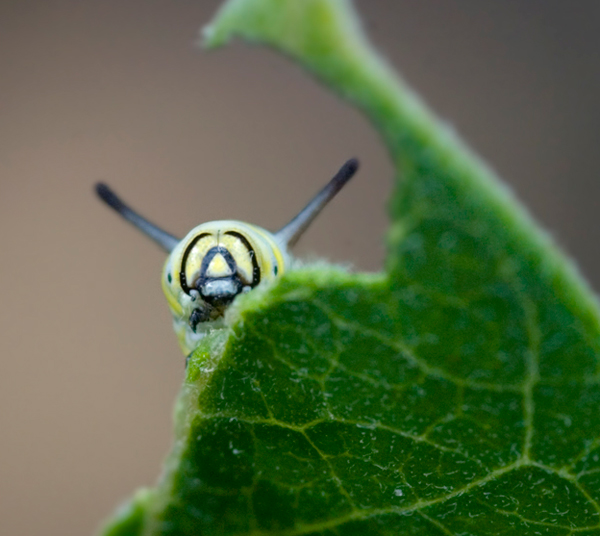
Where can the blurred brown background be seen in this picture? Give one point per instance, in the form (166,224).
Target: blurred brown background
(117,91)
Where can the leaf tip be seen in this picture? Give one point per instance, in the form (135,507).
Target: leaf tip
(218,31)
(209,37)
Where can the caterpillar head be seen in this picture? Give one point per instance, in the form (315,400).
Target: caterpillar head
(212,265)
(219,260)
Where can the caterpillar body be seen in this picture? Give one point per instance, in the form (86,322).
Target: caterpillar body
(219,260)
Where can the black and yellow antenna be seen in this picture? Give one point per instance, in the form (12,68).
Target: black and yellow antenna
(162,238)
(290,234)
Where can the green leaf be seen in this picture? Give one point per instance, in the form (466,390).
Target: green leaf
(456,393)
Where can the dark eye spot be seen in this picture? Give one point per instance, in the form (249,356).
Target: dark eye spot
(275,270)
(169,278)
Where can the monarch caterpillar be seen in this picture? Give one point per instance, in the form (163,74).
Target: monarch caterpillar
(218,260)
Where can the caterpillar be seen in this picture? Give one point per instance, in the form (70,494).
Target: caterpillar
(219,260)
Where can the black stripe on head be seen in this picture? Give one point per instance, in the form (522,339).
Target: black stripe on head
(182,278)
(252,253)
